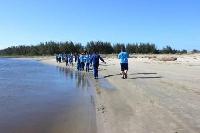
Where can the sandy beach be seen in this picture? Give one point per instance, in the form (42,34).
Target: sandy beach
(158,96)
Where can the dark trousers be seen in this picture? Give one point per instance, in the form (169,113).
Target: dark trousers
(82,66)
(59,59)
(87,67)
(78,66)
(95,68)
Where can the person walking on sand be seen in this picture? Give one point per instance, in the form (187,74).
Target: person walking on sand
(123,56)
(66,59)
(82,61)
(87,61)
(75,57)
(95,61)
(78,63)
(71,59)
(57,58)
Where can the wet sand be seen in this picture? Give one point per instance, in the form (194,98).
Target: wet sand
(38,98)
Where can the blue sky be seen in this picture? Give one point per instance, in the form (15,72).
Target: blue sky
(163,22)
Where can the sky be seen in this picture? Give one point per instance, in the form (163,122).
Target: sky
(163,22)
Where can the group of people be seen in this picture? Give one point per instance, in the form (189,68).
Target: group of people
(67,58)
(85,60)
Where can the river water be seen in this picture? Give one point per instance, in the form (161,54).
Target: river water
(39,98)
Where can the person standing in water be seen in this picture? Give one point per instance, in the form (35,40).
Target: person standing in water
(123,56)
(95,61)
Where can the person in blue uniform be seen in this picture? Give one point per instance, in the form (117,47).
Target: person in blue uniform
(71,59)
(57,58)
(78,63)
(95,61)
(123,56)
(66,59)
(82,61)
(75,57)
(87,62)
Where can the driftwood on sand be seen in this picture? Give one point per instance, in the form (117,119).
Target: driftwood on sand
(168,59)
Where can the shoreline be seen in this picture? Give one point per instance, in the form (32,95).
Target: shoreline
(158,96)
(52,61)
(98,91)
(48,100)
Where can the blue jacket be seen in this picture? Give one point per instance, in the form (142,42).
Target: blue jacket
(70,58)
(95,59)
(78,60)
(123,56)
(87,58)
(66,58)
(82,58)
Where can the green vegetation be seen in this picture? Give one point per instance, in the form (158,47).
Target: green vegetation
(195,51)
(51,48)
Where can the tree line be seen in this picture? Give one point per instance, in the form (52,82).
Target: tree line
(51,48)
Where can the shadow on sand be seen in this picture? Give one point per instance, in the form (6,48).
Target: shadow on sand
(107,76)
(157,77)
(142,73)
(140,77)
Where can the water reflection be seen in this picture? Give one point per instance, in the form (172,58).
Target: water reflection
(39,98)
(80,78)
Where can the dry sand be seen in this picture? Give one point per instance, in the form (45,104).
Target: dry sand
(157,97)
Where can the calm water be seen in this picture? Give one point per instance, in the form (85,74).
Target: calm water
(38,98)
